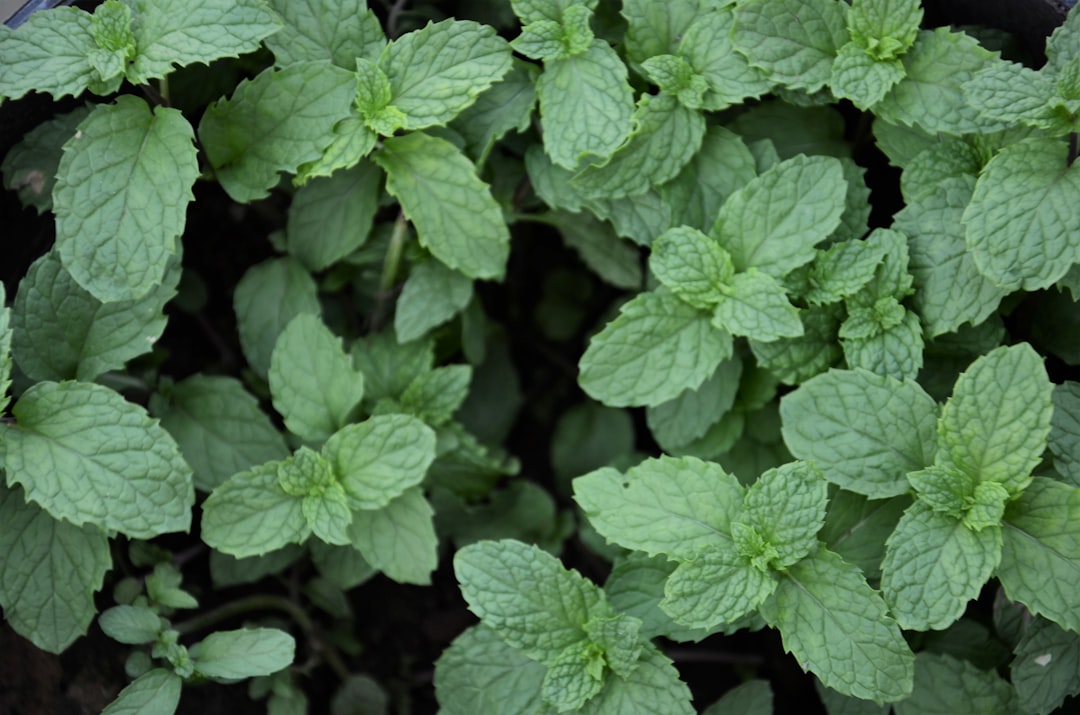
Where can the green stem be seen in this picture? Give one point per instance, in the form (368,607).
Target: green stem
(391,266)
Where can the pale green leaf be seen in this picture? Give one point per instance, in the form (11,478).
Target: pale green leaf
(87,455)
(453,211)
(708,48)
(432,295)
(692,265)
(858,76)
(479,674)
(753,697)
(275,122)
(1021,229)
(305,473)
(335,30)
(793,41)
(1064,439)
(786,507)
(155,692)
(506,106)
(884,28)
(864,431)
(794,360)
(48,53)
(715,587)
(49,573)
(893,350)
(380,458)
(656,348)
(946,490)
(243,653)
(945,685)
(666,135)
(436,396)
(570,680)
(390,367)
(122,190)
(774,222)
(654,688)
(756,306)
(678,507)
(996,423)
(586,105)
(722,166)
(399,539)
(250,514)
(675,77)
(837,628)
(1040,561)
(542,40)
(589,436)
(330,218)
(635,587)
(679,422)
(441,69)
(1044,671)
(205,31)
(267,297)
(934,565)
(656,28)
(1008,92)
(130,624)
(313,382)
(791,130)
(842,270)
(854,222)
(30,166)
(351,141)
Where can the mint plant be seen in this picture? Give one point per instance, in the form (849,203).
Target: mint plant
(327,328)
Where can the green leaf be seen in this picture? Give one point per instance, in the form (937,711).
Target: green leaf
(893,347)
(794,360)
(350,143)
(1020,226)
(774,222)
(399,539)
(636,587)
(390,367)
(996,423)
(432,295)
(756,306)
(1065,431)
(675,77)
(1040,561)
(656,28)
(858,76)
(864,431)
(656,348)
(946,490)
(885,29)
(526,596)
(250,514)
(441,69)
(934,565)
(931,96)
(1010,93)
(1046,665)
(130,624)
(707,47)
(436,396)
(48,53)
(586,105)
(654,687)
(571,680)
(87,455)
(122,190)
(453,211)
(588,436)
(507,105)
(313,382)
(275,122)
(715,587)
(945,685)
(343,566)
(219,426)
(678,507)
(266,299)
(692,265)
(207,30)
(666,135)
(856,528)
(309,475)
(785,506)
(243,653)
(329,218)
(30,166)
(836,627)
(679,422)
(723,166)
(842,270)
(334,30)
(793,41)
(381,458)
(479,674)
(542,40)
(111,29)
(5,357)
(49,574)
(155,692)
(753,697)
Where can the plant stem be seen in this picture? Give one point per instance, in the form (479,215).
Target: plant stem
(391,265)
(1073,148)
(393,16)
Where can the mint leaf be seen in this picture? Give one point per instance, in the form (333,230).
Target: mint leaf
(117,219)
(506,105)
(864,431)
(996,422)
(707,47)
(836,626)
(219,426)
(952,160)
(310,476)
(267,297)
(330,218)
(334,30)
(654,687)
(572,679)
(130,624)
(1040,561)
(389,367)
(30,166)
(60,331)
(722,166)
(543,40)
(678,507)
(205,31)
(753,697)
(250,514)
(48,53)
(856,528)
(275,122)
(675,77)
(774,222)
(1045,667)
(1064,430)
(785,507)
(656,28)
(885,29)
(893,346)
(453,211)
(155,691)
(794,360)
(243,653)
(679,422)
(436,396)
(1019,226)
(842,270)
(656,348)
(862,78)
(351,141)
(110,27)
(755,305)
(934,565)
(372,99)
(1010,93)
(49,574)
(692,265)
(87,455)
(715,587)
(479,674)
(614,260)
(312,380)
(944,683)
(666,135)
(585,105)
(432,295)
(441,69)
(793,41)
(399,539)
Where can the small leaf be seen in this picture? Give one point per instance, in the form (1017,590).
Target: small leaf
(48,53)
(30,166)
(250,514)
(786,507)
(692,265)
(330,218)
(756,306)
(130,624)
(479,674)
(268,296)
(570,682)
(156,692)
(1046,663)
(399,539)
(708,48)
(432,295)
(944,683)
(714,588)
(243,653)
(858,76)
